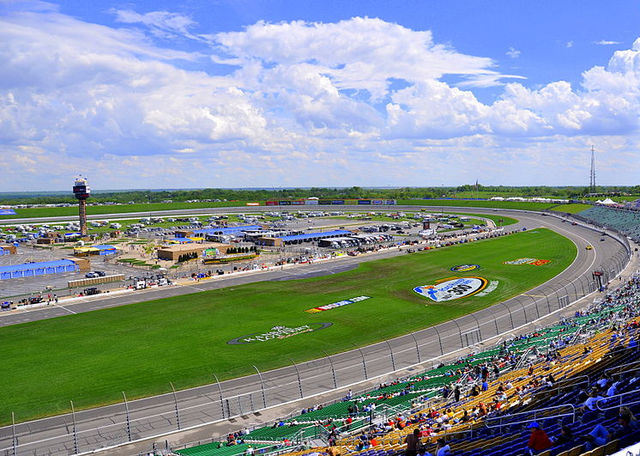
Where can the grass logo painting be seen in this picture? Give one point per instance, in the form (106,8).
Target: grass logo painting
(465,267)
(530,261)
(452,288)
(278,332)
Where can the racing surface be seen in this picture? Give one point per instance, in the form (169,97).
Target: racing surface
(106,426)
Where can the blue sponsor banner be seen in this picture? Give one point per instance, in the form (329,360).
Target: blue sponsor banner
(337,202)
(285,203)
(7,212)
(365,202)
(391,202)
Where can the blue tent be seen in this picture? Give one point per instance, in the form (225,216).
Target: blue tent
(233,230)
(314,236)
(105,249)
(36,269)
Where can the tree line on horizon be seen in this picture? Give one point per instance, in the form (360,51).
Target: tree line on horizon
(221,194)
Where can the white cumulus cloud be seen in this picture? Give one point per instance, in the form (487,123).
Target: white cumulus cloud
(329,97)
(513,52)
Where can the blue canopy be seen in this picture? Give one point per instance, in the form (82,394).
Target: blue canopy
(313,236)
(36,269)
(227,229)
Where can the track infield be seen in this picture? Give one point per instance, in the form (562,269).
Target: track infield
(139,348)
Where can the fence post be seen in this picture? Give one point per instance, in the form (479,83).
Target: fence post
(126,409)
(477,326)
(393,361)
(333,371)
(582,286)
(524,309)
(439,339)
(75,431)
(299,379)
(264,396)
(364,364)
(175,400)
(510,314)
(13,430)
(535,304)
(567,290)
(417,347)
(220,391)
(459,332)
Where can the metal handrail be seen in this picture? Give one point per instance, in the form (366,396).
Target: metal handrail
(606,371)
(621,403)
(529,412)
(574,382)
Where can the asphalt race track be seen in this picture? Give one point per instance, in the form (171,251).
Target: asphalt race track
(154,416)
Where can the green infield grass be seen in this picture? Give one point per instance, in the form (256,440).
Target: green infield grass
(139,348)
(572,208)
(524,205)
(32,212)
(152,207)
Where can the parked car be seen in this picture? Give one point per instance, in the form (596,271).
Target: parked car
(91,275)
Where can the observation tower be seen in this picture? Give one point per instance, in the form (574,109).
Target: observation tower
(82,192)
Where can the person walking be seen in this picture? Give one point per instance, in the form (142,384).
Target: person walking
(413,442)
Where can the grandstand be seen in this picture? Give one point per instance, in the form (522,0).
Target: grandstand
(622,220)
(577,373)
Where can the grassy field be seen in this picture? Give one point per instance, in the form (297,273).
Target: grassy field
(140,348)
(472,203)
(572,208)
(116,209)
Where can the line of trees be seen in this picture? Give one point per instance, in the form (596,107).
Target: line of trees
(187,256)
(221,194)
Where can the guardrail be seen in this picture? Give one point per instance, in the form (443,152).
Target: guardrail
(540,414)
(617,400)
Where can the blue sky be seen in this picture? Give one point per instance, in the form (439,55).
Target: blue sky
(144,94)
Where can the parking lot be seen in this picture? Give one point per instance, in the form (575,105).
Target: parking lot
(375,230)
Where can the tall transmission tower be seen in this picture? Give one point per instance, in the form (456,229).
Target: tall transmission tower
(592,176)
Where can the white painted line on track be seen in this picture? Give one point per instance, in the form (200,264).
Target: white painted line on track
(68,310)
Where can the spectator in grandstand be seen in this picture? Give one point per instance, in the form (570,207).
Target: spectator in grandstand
(613,388)
(538,440)
(445,392)
(565,440)
(590,403)
(597,437)
(456,393)
(413,442)
(602,382)
(625,429)
(442,448)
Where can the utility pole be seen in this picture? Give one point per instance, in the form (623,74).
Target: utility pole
(592,176)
